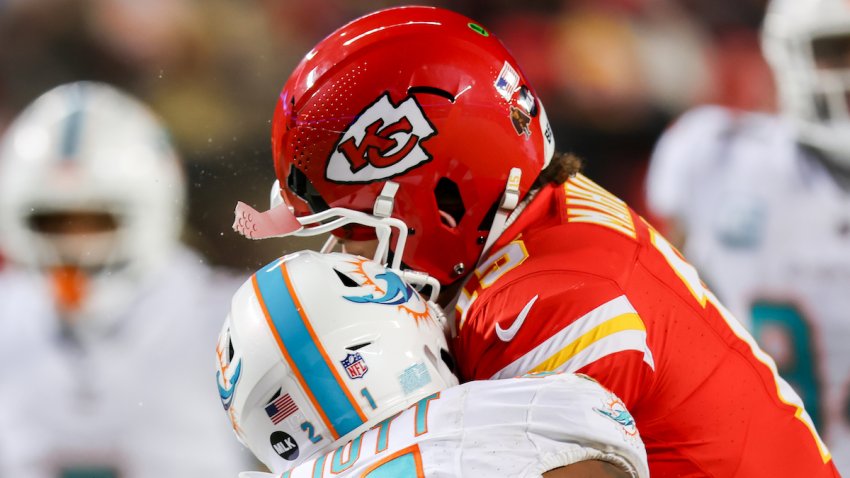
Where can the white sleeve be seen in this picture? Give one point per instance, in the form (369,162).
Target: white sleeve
(574,419)
(256,474)
(524,427)
(691,144)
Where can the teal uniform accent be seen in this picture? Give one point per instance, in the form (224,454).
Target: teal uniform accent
(337,465)
(422,413)
(800,370)
(319,466)
(402,466)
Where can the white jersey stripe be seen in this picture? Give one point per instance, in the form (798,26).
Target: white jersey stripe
(612,327)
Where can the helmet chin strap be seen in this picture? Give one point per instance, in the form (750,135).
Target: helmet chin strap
(509,202)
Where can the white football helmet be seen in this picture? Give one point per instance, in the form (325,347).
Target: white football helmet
(800,38)
(87,148)
(318,348)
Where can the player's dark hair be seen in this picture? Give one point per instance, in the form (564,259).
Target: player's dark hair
(562,167)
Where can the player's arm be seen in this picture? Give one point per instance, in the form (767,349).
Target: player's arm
(584,430)
(588,469)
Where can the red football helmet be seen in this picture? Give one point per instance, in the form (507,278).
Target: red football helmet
(426,98)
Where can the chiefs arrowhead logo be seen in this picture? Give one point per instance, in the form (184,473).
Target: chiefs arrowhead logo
(384,141)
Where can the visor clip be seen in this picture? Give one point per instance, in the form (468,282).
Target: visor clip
(386,200)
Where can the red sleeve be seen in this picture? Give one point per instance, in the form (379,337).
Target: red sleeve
(578,322)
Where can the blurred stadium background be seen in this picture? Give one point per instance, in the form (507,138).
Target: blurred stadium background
(612,73)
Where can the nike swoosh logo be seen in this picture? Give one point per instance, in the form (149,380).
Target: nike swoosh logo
(506,335)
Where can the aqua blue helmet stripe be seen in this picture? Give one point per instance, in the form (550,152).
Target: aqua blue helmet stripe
(73,124)
(289,325)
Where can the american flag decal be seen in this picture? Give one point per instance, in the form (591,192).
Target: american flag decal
(281,408)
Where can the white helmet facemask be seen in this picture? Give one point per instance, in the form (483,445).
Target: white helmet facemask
(81,151)
(807,43)
(318,348)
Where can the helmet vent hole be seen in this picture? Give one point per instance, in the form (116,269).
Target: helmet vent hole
(358,346)
(230,351)
(298,183)
(447,359)
(275,396)
(346,281)
(449,202)
(430,90)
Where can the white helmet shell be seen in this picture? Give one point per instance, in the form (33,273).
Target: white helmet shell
(816,100)
(320,347)
(87,147)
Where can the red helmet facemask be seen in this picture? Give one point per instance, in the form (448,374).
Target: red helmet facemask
(426,98)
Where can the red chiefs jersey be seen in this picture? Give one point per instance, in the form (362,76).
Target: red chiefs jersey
(580,283)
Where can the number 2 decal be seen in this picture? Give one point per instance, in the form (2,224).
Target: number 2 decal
(311,432)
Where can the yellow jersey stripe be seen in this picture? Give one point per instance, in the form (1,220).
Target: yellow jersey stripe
(607,329)
(629,321)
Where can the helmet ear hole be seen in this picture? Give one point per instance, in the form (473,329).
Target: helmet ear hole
(447,359)
(449,202)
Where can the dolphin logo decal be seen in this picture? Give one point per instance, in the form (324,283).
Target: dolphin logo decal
(397,291)
(226,394)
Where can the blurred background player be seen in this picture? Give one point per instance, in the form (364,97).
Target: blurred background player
(761,204)
(106,317)
(319,348)
(546,269)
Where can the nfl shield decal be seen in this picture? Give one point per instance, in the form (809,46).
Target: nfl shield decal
(384,141)
(354,365)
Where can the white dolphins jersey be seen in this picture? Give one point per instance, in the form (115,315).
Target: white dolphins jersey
(769,231)
(138,403)
(513,428)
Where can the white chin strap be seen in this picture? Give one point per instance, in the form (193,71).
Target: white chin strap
(510,200)
(280,221)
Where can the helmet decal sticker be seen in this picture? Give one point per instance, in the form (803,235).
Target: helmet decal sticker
(284,445)
(229,370)
(387,288)
(414,377)
(281,408)
(478,29)
(383,142)
(614,409)
(225,392)
(520,120)
(507,82)
(354,365)
(526,101)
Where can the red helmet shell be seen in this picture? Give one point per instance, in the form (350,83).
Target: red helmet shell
(422,96)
